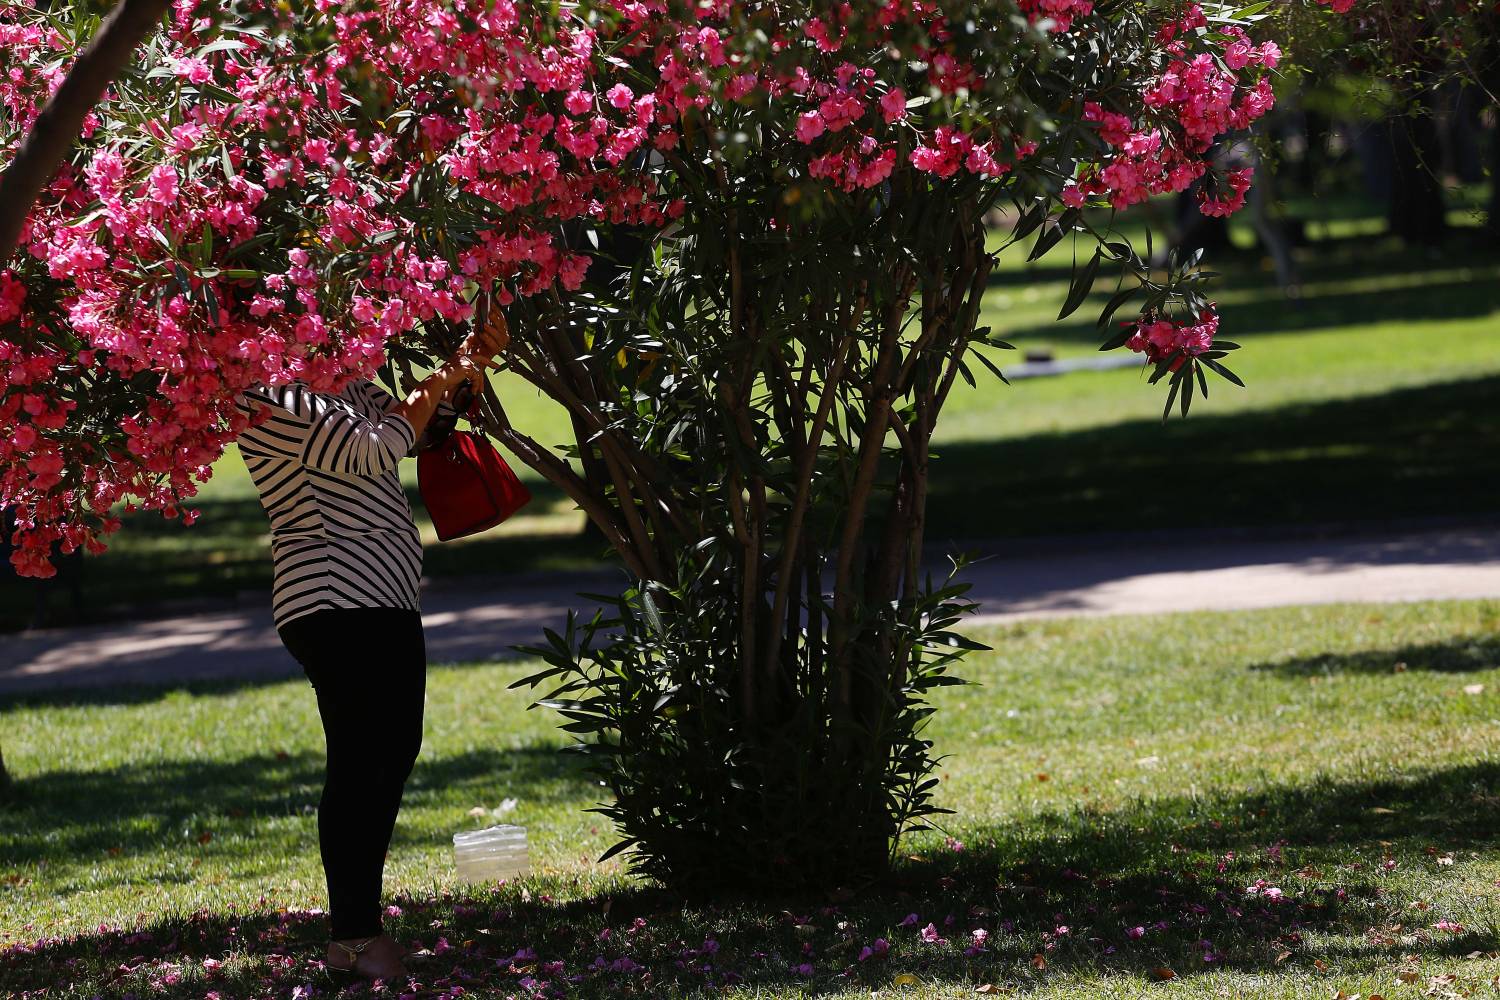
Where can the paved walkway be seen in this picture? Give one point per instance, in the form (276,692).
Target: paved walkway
(470,622)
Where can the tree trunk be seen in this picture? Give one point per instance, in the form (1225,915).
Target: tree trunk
(56,128)
(1418,210)
(1492,222)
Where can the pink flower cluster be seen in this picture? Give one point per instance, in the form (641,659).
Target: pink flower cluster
(251,229)
(1197,98)
(1060,12)
(263,212)
(1160,339)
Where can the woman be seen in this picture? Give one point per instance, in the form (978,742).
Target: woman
(348,559)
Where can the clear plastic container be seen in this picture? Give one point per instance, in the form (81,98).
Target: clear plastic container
(491,855)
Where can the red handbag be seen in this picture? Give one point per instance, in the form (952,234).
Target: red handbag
(467,486)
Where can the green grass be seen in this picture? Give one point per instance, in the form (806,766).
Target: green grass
(1105,774)
(1372,395)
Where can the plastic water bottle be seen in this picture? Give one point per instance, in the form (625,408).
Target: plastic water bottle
(491,855)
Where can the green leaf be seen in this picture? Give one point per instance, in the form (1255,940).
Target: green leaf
(991,366)
(1083,282)
(619,848)
(1221,370)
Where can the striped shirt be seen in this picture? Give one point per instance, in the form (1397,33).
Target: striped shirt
(342,534)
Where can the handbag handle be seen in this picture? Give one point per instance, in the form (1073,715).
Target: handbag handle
(440,429)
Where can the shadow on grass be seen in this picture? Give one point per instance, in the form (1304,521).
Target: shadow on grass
(1329,259)
(225,557)
(85,818)
(1433,450)
(1270,311)
(1070,887)
(1464,654)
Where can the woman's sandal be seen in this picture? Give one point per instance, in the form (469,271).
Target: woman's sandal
(351,973)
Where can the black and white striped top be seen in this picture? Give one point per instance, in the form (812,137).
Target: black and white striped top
(342,534)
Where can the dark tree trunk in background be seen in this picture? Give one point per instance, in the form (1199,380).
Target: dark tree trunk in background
(1417,208)
(1490,86)
(1197,231)
(1492,220)
(57,127)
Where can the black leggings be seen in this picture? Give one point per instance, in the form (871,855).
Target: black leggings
(369,669)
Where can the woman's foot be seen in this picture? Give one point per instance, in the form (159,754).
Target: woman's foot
(378,957)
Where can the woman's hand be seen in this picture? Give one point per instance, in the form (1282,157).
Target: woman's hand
(459,369)
(474,355)
(483,345)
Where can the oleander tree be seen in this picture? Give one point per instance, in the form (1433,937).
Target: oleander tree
(742,244)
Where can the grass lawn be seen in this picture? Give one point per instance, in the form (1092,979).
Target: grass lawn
(1120,785)
(1381,381)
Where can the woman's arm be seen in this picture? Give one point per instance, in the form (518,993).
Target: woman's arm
(466,365)
(443,419)
(423,401)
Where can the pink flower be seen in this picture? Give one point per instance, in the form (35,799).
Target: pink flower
(163,185)
(46,469)
(194,70)
(879,948)
(620,96)
(893,105)
(316,151)
(1136,933)
(185,137)
(931,936)
(12,297)
(809,126)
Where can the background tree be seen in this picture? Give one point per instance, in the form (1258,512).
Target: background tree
(1416,68)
